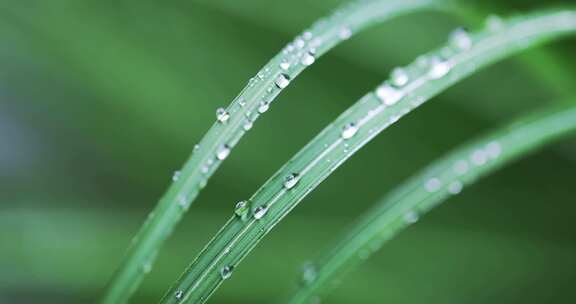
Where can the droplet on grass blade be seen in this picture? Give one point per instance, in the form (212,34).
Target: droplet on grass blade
(222,115)
(223,152)
(349,130)
(291,180)
(282,81)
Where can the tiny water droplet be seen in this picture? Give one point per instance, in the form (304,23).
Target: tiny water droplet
(291,180)
(460,38)
(455,187)
(222,115)
(309,273)
(223,152)
(388,94)
(438,68)
(411,217)
(345,33)
(176,175)
(179,295)
(479,157)
(248,125)
(433,184)
(226,272)
(307,35)
(241,209)
(349,130)
(147,267)
(242,102)
(300,43)
(285,65)
(399,77)
(260,211)
(196,147)
(493,150)
(282,81)
(461,167)
(264,106)
(494,23)
(308,58)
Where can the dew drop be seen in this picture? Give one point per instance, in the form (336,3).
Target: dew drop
(226,272)
(493,149)
(455,187)
(241,209)
(479,157)
(308,58)
(176,175)
(309,273)
(147,267)
(300,43)
(264,106)
(461,167)
(433,184)
(282,81)
(438,68)
(494,23)
(349,130)
(223,152)
(399,77)
(196,147)
(345,33)
(388,94)
(222,115)
(179,295)
(284,65)
(307,35)
(291,180)
(248,125)
(183,201)
(460,38)
(260,211)
(242,102)
(411,217)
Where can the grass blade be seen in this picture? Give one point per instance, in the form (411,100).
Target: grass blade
(408,89)
(441,180)
(235,121)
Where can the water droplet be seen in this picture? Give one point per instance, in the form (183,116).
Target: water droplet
(226,272)
(439,68)
(411,217)
(433,184)
(309,273)
(260,211)
(494,23)
(299,43)
(282,81)
(183,201)
(455,187)
(223,152)
(349,130)
(248,125)
(176,175)
(147,267)
(196,147)
(345,33)
(242,102)
(307,35)
(179,295)
(479,157)
(284,65)
(222,115)
(460,38)
(241,209)
(399,77)
(461,167)
(264,106)
(493,150)
(291,180)
(388,94)
(308,58)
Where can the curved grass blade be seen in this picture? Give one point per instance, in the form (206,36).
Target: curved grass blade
(408,88)
(444,178)
(233,122)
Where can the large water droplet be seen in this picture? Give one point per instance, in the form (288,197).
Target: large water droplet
(308,58)
(264,106)
(179,295)
(282,81)
(388,94)
(349,130)
(223,152)
(260,211)
(226,272)
(460,38)
(241,209)
(399,77)
(222,115)
(438,68)
(291,180)
(433,184)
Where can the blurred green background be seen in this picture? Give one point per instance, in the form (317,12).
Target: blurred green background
(100,101)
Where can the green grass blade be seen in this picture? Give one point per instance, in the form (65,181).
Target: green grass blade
(441,180)
(413,85)
(235,121)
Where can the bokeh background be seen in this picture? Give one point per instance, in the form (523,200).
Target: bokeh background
(101,100)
